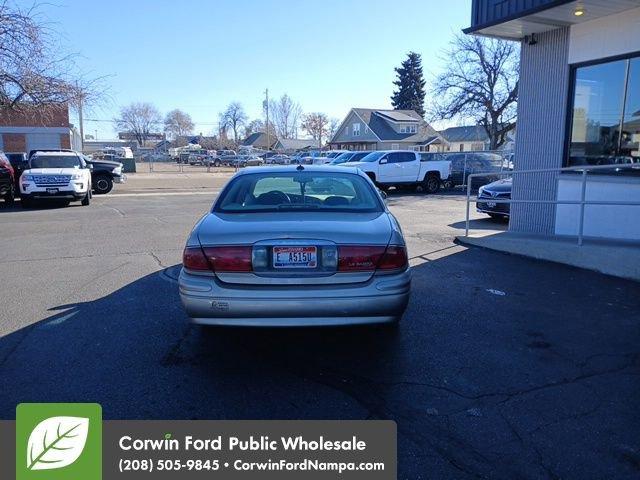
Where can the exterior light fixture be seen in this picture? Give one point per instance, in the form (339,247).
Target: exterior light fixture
(579,12)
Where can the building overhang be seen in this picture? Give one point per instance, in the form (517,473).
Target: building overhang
(546,15)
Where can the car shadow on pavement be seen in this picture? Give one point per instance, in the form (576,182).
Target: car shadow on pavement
(502,367)
(46,205)
(483,224)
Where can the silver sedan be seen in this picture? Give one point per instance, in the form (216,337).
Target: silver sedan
(296,246)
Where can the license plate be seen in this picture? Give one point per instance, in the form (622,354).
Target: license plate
(491,204)
(295,257)
(52,190)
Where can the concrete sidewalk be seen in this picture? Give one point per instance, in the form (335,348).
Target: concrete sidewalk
(620,259)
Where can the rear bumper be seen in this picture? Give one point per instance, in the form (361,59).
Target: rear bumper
(208,301)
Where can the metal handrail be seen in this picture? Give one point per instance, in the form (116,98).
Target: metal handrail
(583,190)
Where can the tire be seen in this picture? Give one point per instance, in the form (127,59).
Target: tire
(87,198)
(431,183)
(103,184)
(217,163)
(10,196)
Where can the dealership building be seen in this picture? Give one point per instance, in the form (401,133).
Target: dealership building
(579,104)
(32,128)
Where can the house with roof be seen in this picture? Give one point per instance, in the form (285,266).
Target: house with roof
(291,145)
(472,138)
(378,129)
(260,140)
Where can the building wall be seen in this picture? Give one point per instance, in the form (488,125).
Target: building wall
(542,104)
(605,37)
(52,116)
(345,134)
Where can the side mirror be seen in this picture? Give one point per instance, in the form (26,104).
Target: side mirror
(89,166)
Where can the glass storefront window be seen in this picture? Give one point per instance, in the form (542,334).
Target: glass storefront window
(630,143)
(605,127)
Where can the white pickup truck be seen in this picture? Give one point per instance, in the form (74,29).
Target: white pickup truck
(399,168)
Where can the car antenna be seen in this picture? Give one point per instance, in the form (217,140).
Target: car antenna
(300,168)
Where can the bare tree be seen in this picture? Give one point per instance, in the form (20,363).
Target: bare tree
(286,116)
(233,118)
(177,124)
(33,72)
(140,119)
(317,125)
(334,124)
(254,126)
(480,83)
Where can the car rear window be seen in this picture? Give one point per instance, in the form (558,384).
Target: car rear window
(298,191)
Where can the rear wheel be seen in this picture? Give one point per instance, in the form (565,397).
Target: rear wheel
(217,163)
(103,184)
(431,184)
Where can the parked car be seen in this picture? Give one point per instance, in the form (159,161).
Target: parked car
(403,168)
(279,159)
(349,157)
(104,173)
(293,246)
(7,179)
(61,174)
(197,158)
(333,153)
(464,164)
(247,161)
(212,160)
(183,157)
(227,157)
(20,163)
(488,194)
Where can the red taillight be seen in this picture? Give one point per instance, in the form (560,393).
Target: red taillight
(229,259)
(193,258)
(358,258)
(367,258)
(394,258)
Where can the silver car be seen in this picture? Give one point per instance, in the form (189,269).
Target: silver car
(296,246)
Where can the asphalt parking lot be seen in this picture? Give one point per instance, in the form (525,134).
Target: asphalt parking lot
(503,367)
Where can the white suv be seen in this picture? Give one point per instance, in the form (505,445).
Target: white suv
(60,175)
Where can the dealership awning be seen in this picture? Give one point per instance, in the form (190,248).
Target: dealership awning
(543,19)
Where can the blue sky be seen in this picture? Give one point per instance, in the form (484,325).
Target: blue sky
(200,55)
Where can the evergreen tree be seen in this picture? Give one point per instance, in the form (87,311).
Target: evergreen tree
(410,93)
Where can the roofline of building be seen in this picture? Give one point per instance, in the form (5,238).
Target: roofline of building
(476,29)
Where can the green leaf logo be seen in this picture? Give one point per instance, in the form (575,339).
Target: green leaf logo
(56,442)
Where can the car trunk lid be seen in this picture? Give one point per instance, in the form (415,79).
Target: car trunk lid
(295,248)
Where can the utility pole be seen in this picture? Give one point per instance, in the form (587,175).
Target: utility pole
(266,92)
(80,102)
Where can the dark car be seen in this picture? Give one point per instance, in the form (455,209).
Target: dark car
(104,173)
(7,179)
(20,163)
(488,194)
(348,157)
(464,164)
